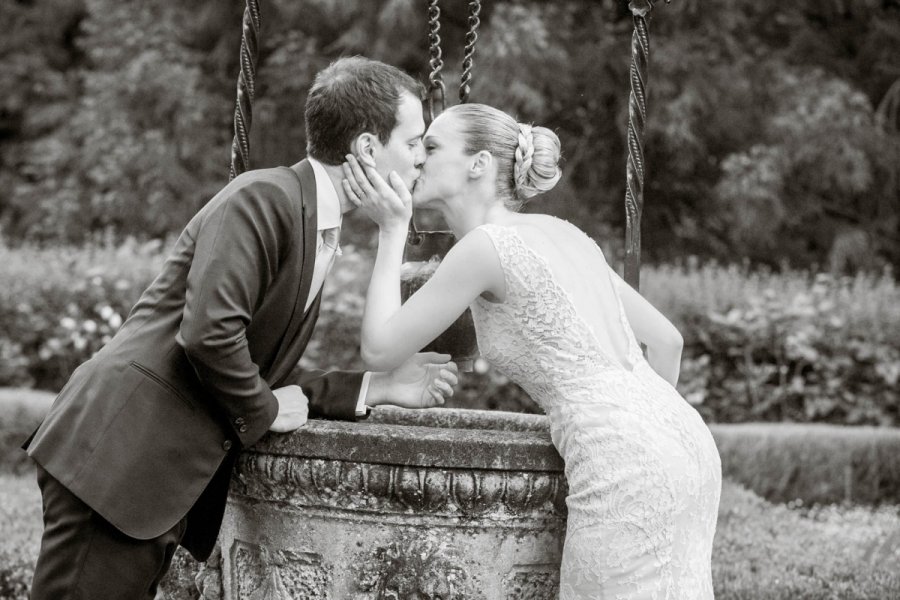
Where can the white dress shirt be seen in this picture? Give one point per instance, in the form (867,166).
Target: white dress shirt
(329,215)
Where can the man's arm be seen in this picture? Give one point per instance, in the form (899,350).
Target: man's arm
(237,253)
(423,381)
(332,394)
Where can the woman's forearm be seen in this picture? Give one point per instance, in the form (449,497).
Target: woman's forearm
(383,297)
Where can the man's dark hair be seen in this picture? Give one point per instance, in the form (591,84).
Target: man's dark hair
(349,97)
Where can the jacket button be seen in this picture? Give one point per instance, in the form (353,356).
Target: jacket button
(226,445)
(242,429)
(239,421)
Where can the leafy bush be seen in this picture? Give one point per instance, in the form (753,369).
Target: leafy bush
(760,346)
(60,305)
(688,291)
(810,355)
(20,524)
(21,412)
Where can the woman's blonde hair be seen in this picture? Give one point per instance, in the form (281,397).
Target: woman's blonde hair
(527,157)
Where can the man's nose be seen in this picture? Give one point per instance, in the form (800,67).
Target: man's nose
(419,155)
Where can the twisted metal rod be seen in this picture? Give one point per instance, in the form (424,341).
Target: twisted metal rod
(887,114)
(471,37)
(246,89)
(637,116)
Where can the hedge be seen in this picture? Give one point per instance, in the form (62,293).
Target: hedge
(812,463)
(760,346)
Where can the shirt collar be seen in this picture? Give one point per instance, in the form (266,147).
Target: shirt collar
(328,204)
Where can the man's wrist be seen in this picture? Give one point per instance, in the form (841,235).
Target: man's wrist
(362,409)
(378,387)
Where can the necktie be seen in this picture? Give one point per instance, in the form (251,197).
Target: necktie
(326,250)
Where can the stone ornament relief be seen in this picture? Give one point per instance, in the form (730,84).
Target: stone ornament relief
(421,568)
(532,582)
(260,573)
(399,489)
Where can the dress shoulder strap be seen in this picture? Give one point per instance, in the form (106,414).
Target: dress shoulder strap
(516,259)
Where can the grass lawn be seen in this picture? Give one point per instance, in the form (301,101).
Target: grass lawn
(763,551)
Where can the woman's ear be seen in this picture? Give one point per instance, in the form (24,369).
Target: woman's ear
(363,148)
(481,164)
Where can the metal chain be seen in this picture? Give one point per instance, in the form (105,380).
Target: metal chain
(246,89)
(467,63)
(436,89)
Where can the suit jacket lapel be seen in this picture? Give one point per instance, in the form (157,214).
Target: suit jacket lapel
(285,359)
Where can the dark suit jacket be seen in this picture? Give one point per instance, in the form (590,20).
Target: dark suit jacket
(148,429)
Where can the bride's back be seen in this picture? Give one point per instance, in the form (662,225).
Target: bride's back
(578,266)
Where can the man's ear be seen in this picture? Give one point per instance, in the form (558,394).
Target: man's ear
(481,164)
(363,147)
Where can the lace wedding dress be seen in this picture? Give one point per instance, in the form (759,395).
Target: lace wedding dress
(643,471)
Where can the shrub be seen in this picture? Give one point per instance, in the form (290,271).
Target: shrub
(812,463)
(689,291)
(805,463)
(760,346)
(806,356)
(21,412)
(20,524)
(60,305)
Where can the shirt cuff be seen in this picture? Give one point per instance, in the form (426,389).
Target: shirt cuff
(361,408)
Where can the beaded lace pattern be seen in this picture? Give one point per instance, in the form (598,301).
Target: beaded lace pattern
(643,471)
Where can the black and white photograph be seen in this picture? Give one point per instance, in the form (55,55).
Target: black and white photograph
(450,300)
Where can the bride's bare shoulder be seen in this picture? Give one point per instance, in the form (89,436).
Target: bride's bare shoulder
(538,227)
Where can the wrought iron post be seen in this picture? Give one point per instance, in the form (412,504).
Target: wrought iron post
(887,115)
(637,115)
(246,89)
(208,578)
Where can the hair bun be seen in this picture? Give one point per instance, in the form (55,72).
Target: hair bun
(537,161)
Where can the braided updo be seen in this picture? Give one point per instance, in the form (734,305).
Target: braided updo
(527,157)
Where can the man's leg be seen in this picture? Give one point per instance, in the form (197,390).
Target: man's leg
(83,557)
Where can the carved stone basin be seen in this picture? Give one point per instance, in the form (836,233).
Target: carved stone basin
(438,504)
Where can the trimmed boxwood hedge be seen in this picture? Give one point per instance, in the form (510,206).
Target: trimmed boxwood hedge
(812,462)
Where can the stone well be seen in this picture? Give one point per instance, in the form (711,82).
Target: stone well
(429,504)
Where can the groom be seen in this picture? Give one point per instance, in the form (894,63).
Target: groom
(136,453)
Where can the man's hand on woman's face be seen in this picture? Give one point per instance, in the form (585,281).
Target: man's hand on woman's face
(389,206)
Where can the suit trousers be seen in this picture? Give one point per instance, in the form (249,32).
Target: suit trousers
(84,557)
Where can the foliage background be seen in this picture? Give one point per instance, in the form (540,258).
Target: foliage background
(759,346)
(769,133)
(772,149)
(772,153)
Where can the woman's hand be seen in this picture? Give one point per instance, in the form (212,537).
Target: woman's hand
(423,381)
(389,206)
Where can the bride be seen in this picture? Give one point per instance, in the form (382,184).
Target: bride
(643,471)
